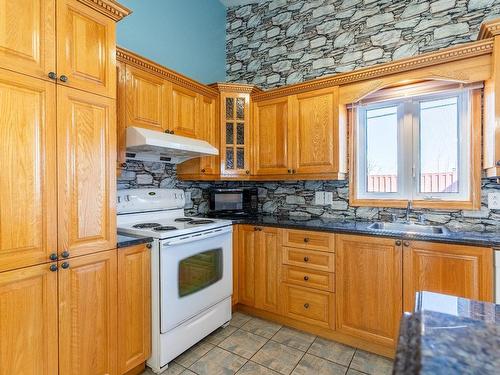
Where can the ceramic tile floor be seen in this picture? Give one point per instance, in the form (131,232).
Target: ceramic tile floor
(252,346)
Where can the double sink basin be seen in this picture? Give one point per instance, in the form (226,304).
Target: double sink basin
(408,228)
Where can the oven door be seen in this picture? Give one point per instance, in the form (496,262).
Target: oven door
(195,274)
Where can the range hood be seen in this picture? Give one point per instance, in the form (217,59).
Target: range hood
(150,145)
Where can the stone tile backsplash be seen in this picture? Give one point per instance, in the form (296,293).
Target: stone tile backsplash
(280,42)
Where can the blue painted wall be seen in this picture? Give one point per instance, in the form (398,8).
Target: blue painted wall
(187,36)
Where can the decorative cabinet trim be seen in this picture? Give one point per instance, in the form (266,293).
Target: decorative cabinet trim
(236,88)
(110,8)
(143,63)
(464,51)
(489,29)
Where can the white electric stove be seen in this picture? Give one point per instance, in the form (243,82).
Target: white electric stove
(191,269)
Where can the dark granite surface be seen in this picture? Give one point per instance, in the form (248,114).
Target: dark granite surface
(126,240)
(449,335)
(360,227)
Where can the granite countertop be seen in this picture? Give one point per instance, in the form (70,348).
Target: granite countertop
(362,227)
(449,335)
(126,240)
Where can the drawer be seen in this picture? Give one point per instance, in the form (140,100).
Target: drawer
(309,278)
(312,259)
(309,240)
(311,306)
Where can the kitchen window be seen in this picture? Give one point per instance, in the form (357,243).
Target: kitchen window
(416,143)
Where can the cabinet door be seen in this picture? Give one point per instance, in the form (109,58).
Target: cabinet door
(86,132)
(313,128)
(184,111)
(27,37)
(234,150)
(134,307)
(146,100)
(86,48)
(271,138)
(28,207)
(88,315)
(209,131)
(28,321)
(268,269)
(246,265)
(464,271)
(369,288)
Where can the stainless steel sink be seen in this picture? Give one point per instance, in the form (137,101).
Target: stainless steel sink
(408,228)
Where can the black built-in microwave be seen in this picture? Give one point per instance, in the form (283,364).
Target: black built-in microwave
(241,201)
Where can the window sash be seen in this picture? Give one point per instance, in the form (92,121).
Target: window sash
(409,166)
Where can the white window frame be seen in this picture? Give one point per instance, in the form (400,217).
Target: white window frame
(408,188)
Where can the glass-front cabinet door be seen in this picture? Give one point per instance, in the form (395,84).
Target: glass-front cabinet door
(235,134)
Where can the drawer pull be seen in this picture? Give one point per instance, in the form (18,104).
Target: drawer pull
(306,240)
(306,305)
(306,259)
(306,278)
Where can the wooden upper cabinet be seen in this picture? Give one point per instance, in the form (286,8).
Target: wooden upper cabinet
(313,131)
(134,306)
(28,40)
(86,48)
(209,165)
(28,321)
(247,243)
(271,135)
(268,269)
(235,134)
(86,172)
(369,288)
(28,205)
(88,315)
(464,271)
(184,112)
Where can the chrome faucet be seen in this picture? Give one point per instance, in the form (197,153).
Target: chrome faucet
(408,209)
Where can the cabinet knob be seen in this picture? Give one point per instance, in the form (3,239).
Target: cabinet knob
(63,78)
(53,256)
(123,165)
(247,171)
(65,265)
(306,278)
(306,259)
(53,268)
(498,163)
(406,243)
(293,171)
(306,305)
(65,254)
(52,75)
(149,246)
(398,243)
(203,170)
(306,240)
(290,171)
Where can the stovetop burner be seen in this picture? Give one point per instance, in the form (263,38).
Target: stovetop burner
(183,219)
(146,225)
(201,221)
(164,228)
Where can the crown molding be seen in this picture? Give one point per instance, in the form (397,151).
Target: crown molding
(110,8)
(235,87)
(489,29)
(463,51)
(131,58)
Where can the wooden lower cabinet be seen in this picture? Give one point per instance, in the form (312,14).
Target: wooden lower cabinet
(465,271)
(88,315)
(369,288)
(134,307)
(246,264)
(28,321)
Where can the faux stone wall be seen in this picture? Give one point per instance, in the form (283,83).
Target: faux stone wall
(296,199)
(278,42)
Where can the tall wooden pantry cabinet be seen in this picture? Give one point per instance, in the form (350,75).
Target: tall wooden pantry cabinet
(58,265)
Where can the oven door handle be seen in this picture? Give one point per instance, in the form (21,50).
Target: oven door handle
(199,236)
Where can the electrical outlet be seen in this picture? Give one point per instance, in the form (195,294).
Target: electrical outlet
(319,198)
(494,201)
(328,197)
